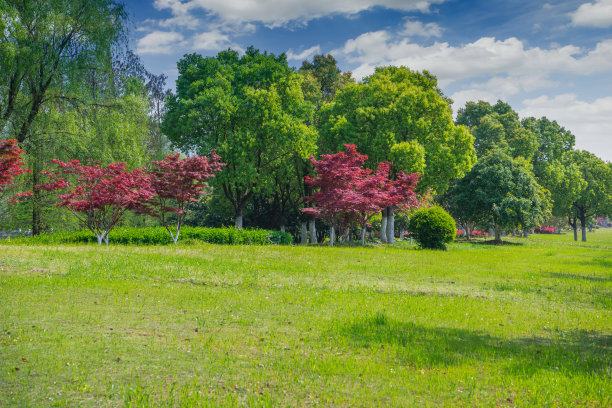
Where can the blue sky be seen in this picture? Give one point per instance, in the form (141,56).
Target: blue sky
(550,59)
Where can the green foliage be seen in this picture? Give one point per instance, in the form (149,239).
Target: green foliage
(159,236)
(396,106)
(500,191)
(250,108)
(432,227)
(497,127)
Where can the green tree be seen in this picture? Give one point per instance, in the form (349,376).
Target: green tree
(595,197)
(396,111)
(46,47)
(251,109)
(501,192)
(498,127)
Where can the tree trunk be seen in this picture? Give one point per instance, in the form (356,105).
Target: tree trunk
(239,218)
(575,228)
(363,235)
(36,210)
(312,227)
(304,233)
(525,233)
(573,222)
(383,226)
(390,225)
(282,228)
(99,238)
(332,236)
(583,227)
(498,233)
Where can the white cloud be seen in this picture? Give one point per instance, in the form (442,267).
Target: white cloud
(307,53)
(160,42)
(213,41)
(181,14)
(500,87)
(486,56)
(414,28)
(278,13)
(591,123)
(598,14)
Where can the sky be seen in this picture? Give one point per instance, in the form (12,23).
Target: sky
(550,59)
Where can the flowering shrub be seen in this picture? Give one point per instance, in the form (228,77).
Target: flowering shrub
(477,233)
(544,230)
(459,233)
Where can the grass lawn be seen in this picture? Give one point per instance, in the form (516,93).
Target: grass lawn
(205,325)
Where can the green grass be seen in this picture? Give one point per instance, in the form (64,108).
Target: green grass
(203,325)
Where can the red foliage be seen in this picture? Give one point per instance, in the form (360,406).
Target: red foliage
(99,196)
(177,182)
(11,163)
(348,192)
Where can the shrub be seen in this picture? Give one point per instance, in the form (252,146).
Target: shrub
(159,236)
(432,227)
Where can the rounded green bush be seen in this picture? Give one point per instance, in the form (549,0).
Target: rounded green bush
(432,227)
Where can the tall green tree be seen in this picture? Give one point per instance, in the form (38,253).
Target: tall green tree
(250,108)
(402,116)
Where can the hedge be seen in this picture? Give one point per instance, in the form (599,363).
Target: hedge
(159,236)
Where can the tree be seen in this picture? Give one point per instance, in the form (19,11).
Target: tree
(394,106)
(566,185)
(348,192)
(595,198)
(497,127)
(501,192)
(46,45)
(11,162)
(99,197)
(176,183)
(251,109)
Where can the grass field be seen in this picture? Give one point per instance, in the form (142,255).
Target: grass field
(204,325)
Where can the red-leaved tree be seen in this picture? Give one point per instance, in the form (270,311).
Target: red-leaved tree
(11,162)
(99,196)
(176,182)
(347,192)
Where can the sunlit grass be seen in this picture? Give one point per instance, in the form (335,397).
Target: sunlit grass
(205,325)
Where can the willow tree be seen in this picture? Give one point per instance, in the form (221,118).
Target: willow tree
(401,116)
(249,108)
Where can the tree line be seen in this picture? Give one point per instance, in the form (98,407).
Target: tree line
(70,88)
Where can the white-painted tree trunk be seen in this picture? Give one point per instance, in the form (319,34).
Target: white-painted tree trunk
(390,225)
(364,230)
(239,219)
(332,236)
(304,233)
(383,226)
(282,228)
(312,228)
(498,233)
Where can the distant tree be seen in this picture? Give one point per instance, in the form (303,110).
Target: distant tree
(498,127)
(176,183)
(99,197)
(595,197)
(329,78)
(501,192)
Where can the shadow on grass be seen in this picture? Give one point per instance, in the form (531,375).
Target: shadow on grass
(578,353)
(582,277)
(495,243)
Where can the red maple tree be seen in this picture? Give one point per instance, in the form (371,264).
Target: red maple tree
(11,163)
(349,193)
(99,196)
(176,182)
